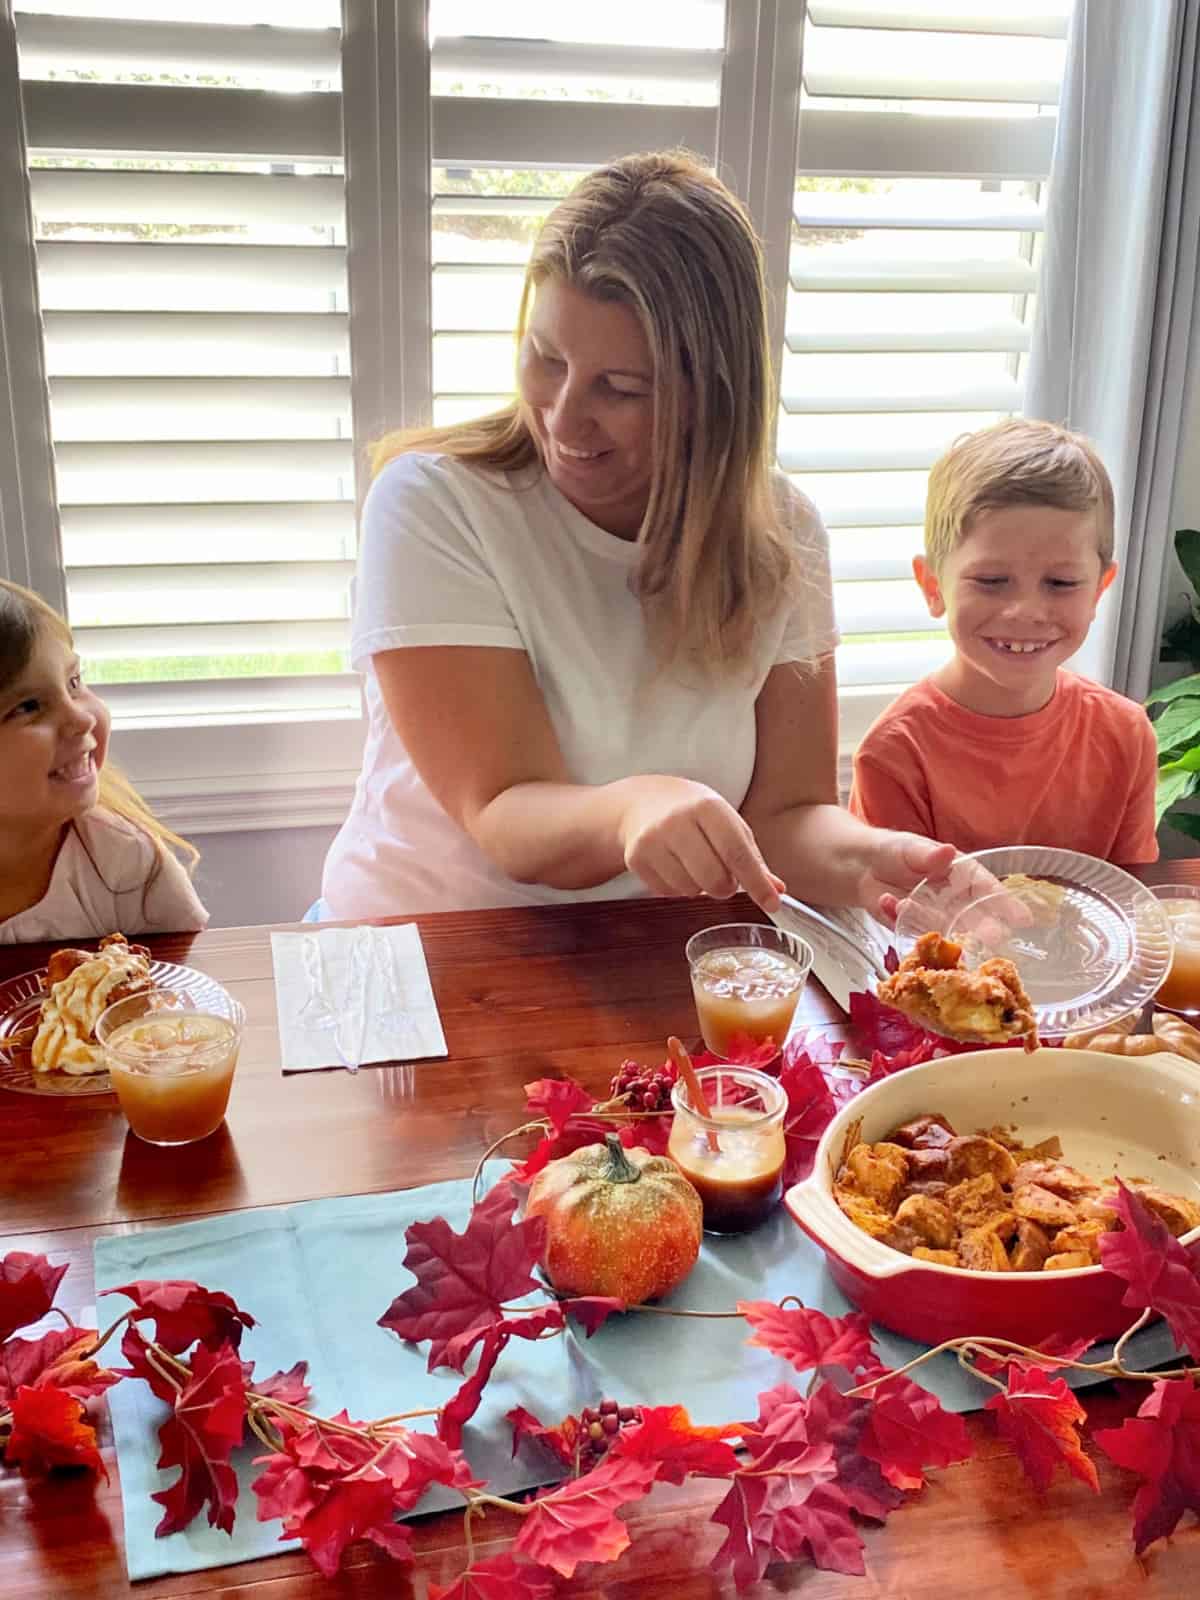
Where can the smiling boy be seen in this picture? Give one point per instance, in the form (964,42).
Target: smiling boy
(1002,746)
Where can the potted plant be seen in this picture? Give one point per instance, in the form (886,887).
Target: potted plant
(1176,706)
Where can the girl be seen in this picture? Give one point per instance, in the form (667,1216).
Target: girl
(81,855)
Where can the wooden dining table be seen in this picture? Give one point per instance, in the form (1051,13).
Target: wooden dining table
(523,994)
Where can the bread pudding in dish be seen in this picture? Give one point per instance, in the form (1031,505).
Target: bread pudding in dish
(985,1201)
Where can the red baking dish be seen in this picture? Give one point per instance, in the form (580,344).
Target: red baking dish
(1137,1116)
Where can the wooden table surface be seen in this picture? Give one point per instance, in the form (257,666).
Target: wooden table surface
(522,995)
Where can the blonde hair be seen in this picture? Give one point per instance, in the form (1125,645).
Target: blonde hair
(1015,463)
(26,619)
(662,236)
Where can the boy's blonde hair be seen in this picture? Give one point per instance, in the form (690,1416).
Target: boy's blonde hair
(26,619)
(1015,463)
(660,235)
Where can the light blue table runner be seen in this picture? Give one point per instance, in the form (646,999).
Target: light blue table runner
(317,1277)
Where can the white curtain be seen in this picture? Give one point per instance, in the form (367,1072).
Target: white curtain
(1118,289)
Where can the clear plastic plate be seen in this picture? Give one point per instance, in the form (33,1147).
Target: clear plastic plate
(1091,943)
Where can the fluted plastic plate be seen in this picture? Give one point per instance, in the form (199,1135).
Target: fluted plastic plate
(1090,942)
(20,1006)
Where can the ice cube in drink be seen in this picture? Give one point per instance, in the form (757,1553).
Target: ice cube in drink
(745,996)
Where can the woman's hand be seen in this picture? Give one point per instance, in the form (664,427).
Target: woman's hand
(898,862)
(682,838)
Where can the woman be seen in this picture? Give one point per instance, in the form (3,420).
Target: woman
(597,627)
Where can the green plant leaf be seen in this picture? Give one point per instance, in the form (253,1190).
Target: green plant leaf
(1172,691)
(1186,822)
(1187,548)
(1174,783)
(1178,727)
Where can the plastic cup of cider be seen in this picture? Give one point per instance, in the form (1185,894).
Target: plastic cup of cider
(747,978)
(171,1063)
(1180,990)
(735,1156)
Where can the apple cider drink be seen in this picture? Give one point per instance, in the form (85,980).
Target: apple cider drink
(746,981)
(171,1067)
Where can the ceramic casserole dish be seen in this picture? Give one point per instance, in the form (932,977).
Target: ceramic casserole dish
(1135,1116)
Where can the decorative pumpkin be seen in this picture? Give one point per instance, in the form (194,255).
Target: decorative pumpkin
(618,1222)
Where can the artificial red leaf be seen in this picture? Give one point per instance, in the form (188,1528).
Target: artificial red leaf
(145,1365)
(530,1325)
(497,1578)
(592,1311)
(198,1438)
(747,1549)
(561,1440)
(580,1131)
(810,1110)
(1058,1349)
(1040,1417)
(291,1386)
(907,1430)
(839,1421)
(809,1338)
(558,1100)
(575,1522)
(666,1437)
(764,1522)
(184,1312)
(415,1460)
(360,1509)
(648,1133)
(884,1066)
(458,1410)
(28,1284)
(1160,1272)
(48,1430)
(60,1359)
(818,1524)
(463,1279)
(878,1027)
(1162,1445)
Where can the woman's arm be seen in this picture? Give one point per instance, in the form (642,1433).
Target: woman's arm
(476,727)
(824,854)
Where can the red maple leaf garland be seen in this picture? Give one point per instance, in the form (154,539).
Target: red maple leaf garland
(1161,1274)
(28,1285)
(60,1359)
(184,1313)
(329,1486)
(497,1578)
(577,1521)
(1040,1417)
(48,1430)
(1162,1445)
(206,1426)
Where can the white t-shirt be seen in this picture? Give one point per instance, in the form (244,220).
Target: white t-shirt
(452,555)
(98,887)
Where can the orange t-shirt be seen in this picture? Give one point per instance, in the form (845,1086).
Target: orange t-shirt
(1079,774)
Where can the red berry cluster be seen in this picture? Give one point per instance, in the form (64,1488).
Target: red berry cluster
(644,1088)
(599,1426)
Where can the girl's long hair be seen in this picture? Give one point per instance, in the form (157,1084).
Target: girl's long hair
(25,619)
(661,235)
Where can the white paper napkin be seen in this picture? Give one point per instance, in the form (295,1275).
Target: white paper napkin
(354,994)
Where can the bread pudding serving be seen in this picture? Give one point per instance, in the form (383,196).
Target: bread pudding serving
(982,1005)
(81,985)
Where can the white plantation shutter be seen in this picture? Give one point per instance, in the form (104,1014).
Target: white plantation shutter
(187,191)
(525,97)
(925,139)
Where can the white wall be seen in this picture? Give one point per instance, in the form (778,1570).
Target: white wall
(249,878)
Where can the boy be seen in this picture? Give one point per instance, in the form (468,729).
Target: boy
(1002,746)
